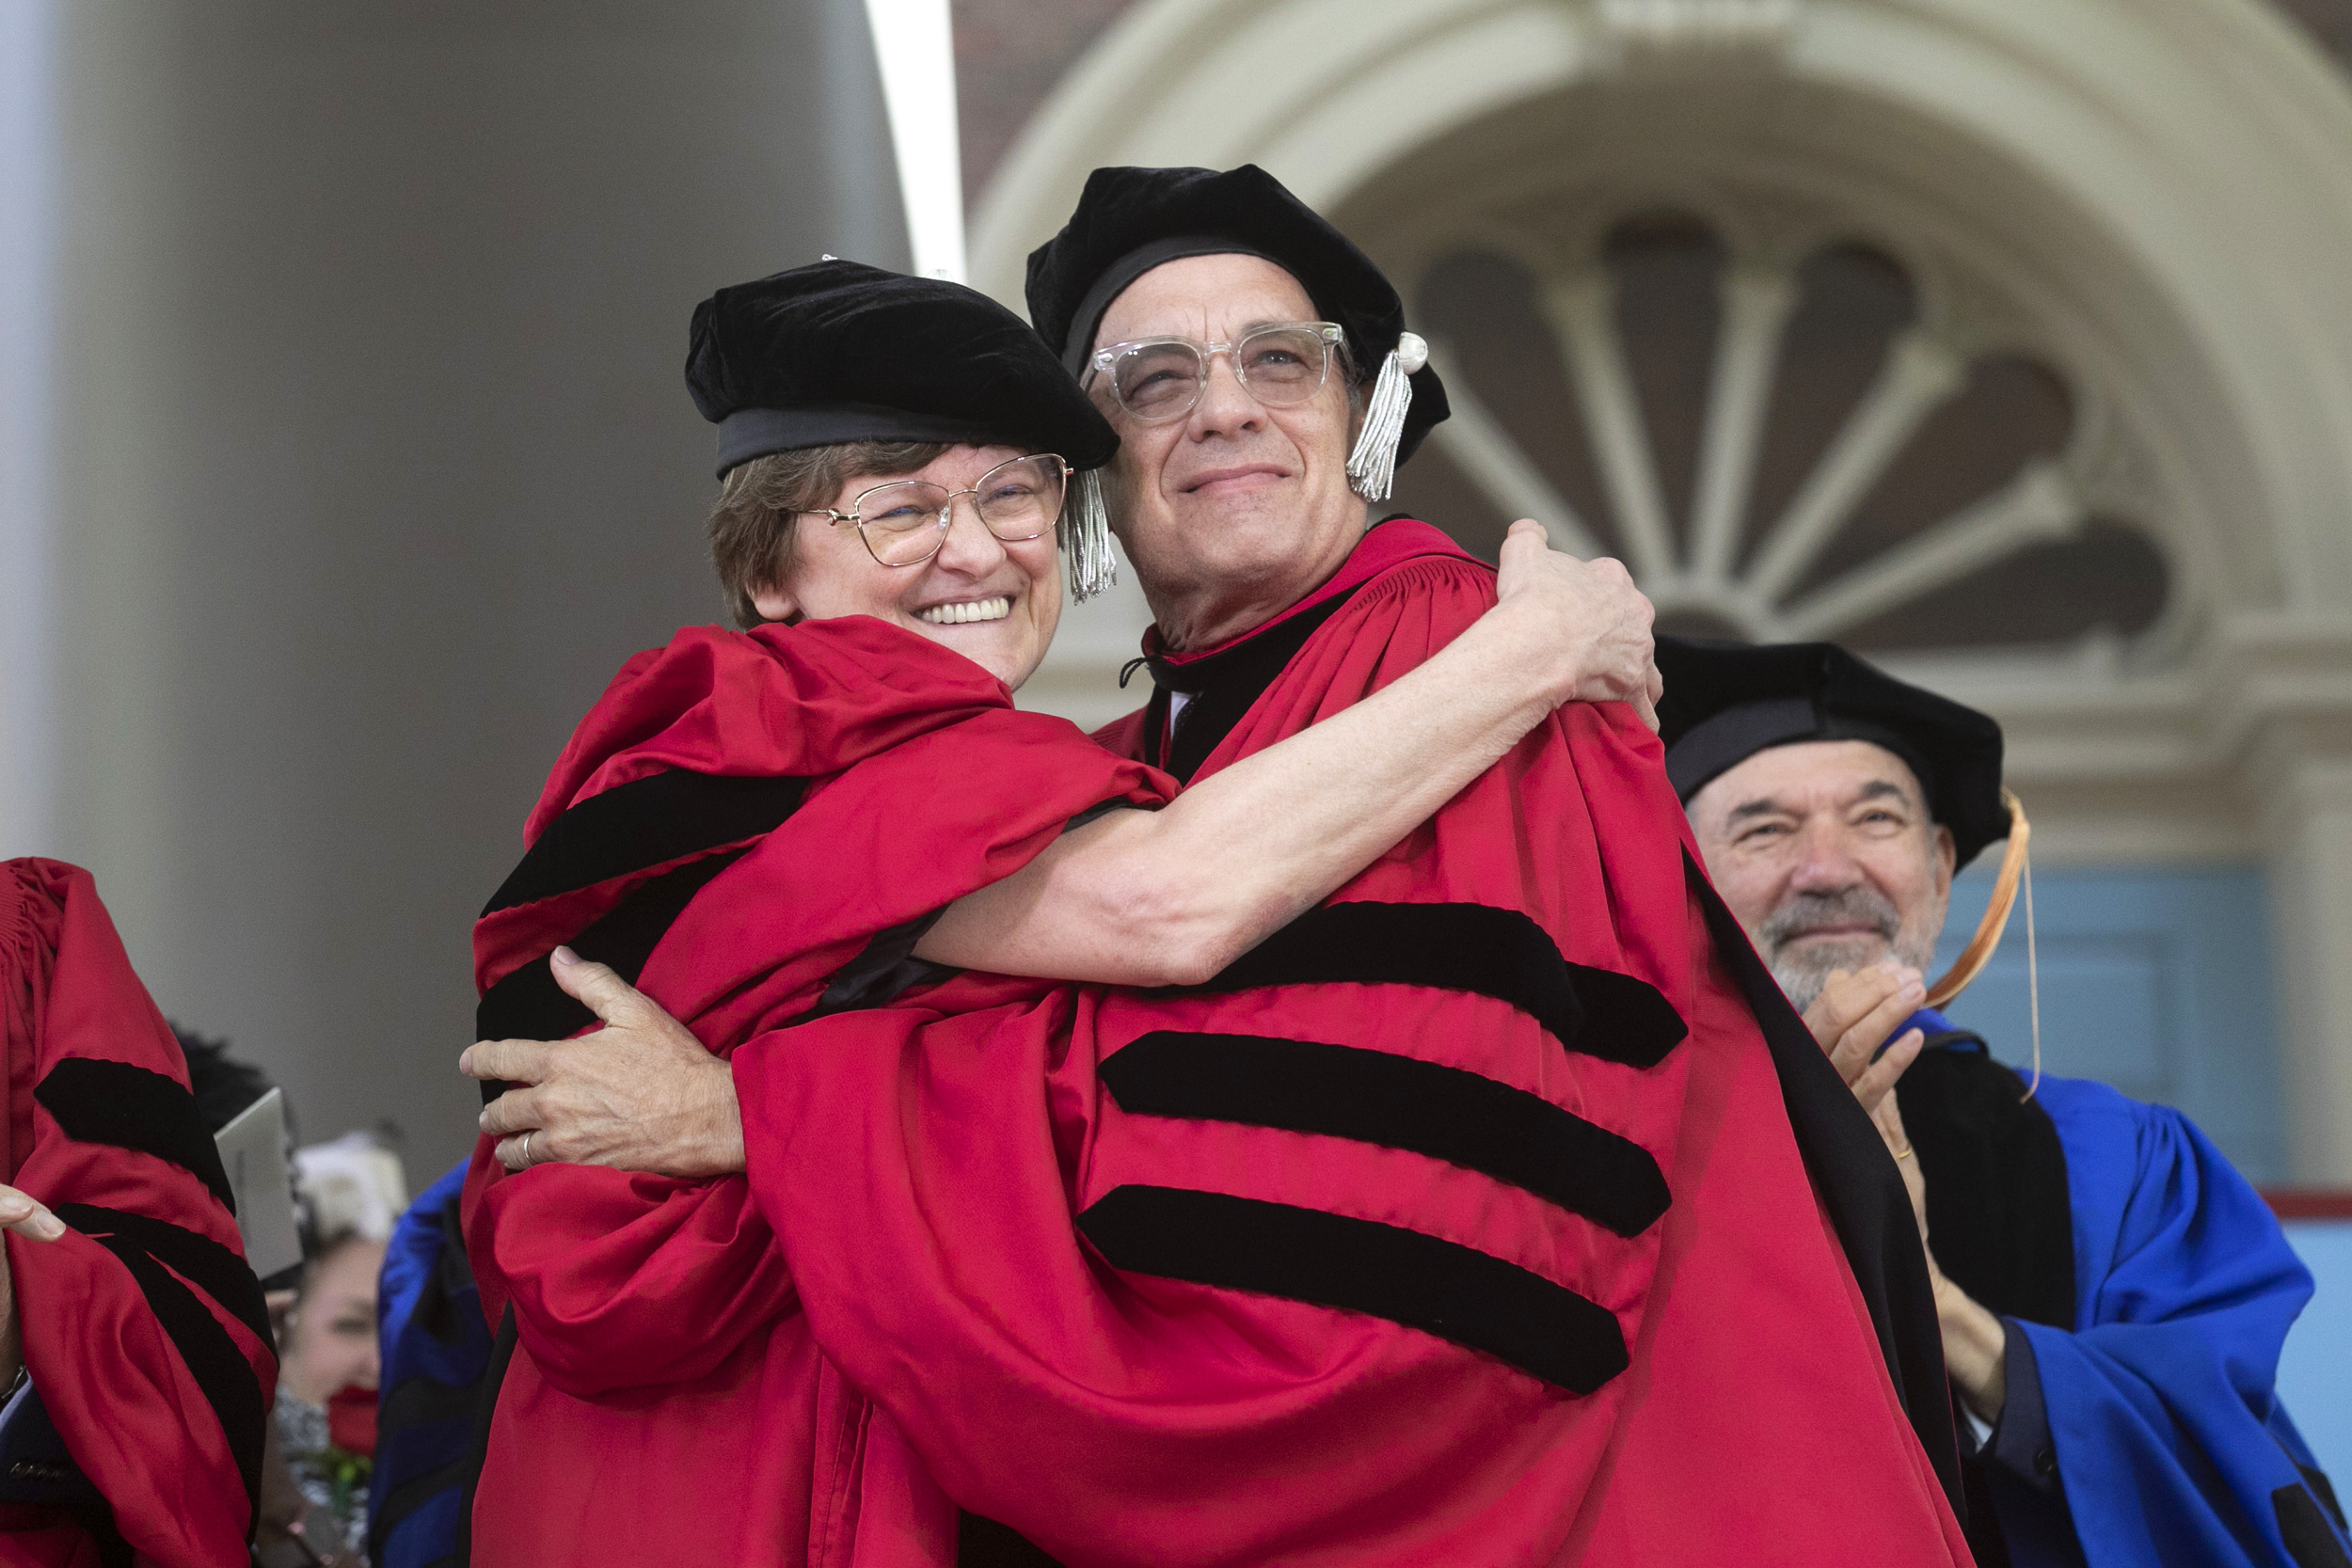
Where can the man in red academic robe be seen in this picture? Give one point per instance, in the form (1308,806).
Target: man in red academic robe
(1471,1218)
(134,1332)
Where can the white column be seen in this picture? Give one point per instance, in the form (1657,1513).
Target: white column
(27,580)
(914,45)
(2307,820)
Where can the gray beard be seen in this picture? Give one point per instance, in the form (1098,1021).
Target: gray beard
(1802,970)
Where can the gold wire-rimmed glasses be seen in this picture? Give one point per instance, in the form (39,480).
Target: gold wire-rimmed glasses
(905,522)
(1159,379)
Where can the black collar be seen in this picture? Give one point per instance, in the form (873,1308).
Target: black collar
(1223,687)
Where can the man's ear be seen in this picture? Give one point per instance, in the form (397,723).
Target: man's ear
(1946,855)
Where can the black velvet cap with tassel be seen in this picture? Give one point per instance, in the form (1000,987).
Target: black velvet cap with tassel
(1130,220)
(1727,701)
(843,352)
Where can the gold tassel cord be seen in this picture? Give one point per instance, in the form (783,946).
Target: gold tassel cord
(1978,952)
(2016,875)
(2033,988)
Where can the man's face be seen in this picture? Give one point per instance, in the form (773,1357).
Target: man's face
(1825,852)
(1236,511)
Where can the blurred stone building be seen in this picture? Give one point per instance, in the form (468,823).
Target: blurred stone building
(2010,343)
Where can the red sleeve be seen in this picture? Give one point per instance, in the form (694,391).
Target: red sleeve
(601,1266)
(143,1329)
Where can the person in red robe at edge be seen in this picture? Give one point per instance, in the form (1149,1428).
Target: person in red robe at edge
(764,827)
(133,1337)
(1496,1209)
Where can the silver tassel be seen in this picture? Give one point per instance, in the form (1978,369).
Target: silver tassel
(1371,466)
(1087,539)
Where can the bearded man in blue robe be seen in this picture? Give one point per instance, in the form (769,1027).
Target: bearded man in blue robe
(2112,1294)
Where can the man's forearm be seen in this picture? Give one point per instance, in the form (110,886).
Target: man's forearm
(1172,896)
(1974,1348)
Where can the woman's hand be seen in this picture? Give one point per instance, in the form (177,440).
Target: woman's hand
(639,1094)
(1583,629)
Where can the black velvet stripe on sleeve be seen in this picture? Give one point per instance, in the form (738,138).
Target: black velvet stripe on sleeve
(529,1004)
(985,1544)
(129,1107)
(221,1372)
(1860,1188)
(2324,1490)
(1421,1281)
(1470,947)
(212,1268)
(661,817)
(2304,1528)
(1398,1102)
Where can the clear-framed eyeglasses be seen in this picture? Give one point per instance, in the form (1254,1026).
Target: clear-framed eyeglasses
(1158,379)
(905,522)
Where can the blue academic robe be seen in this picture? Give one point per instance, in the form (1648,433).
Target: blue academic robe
(2150,1431)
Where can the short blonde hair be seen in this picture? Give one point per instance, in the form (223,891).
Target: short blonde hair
(751,522)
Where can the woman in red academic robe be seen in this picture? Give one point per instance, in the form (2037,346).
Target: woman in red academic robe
(763,828)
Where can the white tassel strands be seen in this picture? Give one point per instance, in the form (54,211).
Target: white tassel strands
(1087,538)
(1371,466)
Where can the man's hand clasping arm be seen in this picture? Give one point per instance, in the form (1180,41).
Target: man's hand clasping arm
(639,1094)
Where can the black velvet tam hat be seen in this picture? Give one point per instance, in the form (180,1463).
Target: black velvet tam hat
(843,352)
(1726,702)
(1130,220)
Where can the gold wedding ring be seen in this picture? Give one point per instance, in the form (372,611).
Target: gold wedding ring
(1904,1153)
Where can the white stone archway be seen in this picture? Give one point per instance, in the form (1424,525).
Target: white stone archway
(2154,192)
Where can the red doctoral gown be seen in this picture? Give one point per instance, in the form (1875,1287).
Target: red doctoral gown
(143,1329)
(1461,1221)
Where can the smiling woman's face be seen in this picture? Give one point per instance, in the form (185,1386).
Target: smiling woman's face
(994,601)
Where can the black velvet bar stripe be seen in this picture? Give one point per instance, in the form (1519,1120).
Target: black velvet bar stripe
(129,1107)
(2323,1489)
(1374,1096)
(215,1269)
(647,822)
(1468,947)
(985,1544)
(1421,1281)
(221,1371)
(2304,1528)
(1861,1189)
(529,1004)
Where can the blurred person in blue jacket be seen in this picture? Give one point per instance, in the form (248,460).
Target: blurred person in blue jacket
(435,1348)
(2112,1294)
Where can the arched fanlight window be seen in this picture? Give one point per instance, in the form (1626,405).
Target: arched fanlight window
(1785,450)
